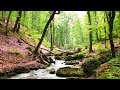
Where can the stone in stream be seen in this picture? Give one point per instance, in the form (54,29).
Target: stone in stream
(52,71)
(70,72)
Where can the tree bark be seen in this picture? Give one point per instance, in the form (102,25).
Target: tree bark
(110,19)
(90,32)
(51,34)
(17,21)
(105,30)
(18,28)
(96,26)
(7,23)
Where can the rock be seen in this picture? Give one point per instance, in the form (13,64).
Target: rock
(70,72)
(90,66)
(50,60)
(52,71)
(72,62)
(57,57)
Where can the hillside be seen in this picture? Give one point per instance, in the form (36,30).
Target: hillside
(14,57)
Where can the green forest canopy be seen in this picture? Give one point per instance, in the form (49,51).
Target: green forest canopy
(71,28)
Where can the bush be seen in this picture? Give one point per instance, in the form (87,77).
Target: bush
(90,66)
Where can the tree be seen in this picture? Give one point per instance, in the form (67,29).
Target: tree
(96,25)
(45,29)
(7,22)
(17,23)
(90,32)
(51,34)
(110,19)
(105,30)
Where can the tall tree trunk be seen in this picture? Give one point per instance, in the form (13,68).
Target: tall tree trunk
(110,19)
(7,23)
(18,28)
(90,32)
(96,26)
(17,20)
(119,26)
(51,34)
(2,14)
(45,29)
(105,30)
(51,37)
(99,35)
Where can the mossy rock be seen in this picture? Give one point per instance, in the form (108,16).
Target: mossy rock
(73,78)
(72,62)
(90,66)
(52,71)
(70,72)
(104,57)
(76,56)
(50,60)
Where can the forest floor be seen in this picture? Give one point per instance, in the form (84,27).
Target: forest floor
(14,57)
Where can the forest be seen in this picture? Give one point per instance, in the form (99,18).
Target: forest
(59,45)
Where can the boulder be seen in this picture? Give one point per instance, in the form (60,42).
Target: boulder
(52,71)
(70,72)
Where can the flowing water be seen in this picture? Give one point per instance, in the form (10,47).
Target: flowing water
(43,73)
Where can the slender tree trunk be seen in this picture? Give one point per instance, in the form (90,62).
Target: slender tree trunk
(110,19)
(53,32)
(119,26)
(2,14)
(99,35)
(90,32)
(96,26)
(105,30)
(45,29)
(18,28)
(17,21)
(51,37)
(7,22)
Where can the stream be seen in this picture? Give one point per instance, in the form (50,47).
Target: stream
(43,73)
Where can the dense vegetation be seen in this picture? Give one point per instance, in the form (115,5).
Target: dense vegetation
(76,34)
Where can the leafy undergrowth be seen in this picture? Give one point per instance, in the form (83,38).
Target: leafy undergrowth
(109,70)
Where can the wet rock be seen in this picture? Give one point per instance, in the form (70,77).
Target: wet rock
(50,60)
(57,57)
(72,62)
(69,72)
(90,66)
(52,71)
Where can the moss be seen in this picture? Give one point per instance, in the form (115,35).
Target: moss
(71,62)
(103,57)
(76,56)
(90,66)
(22,35)
(109,70)
(19,53)
(69,72)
